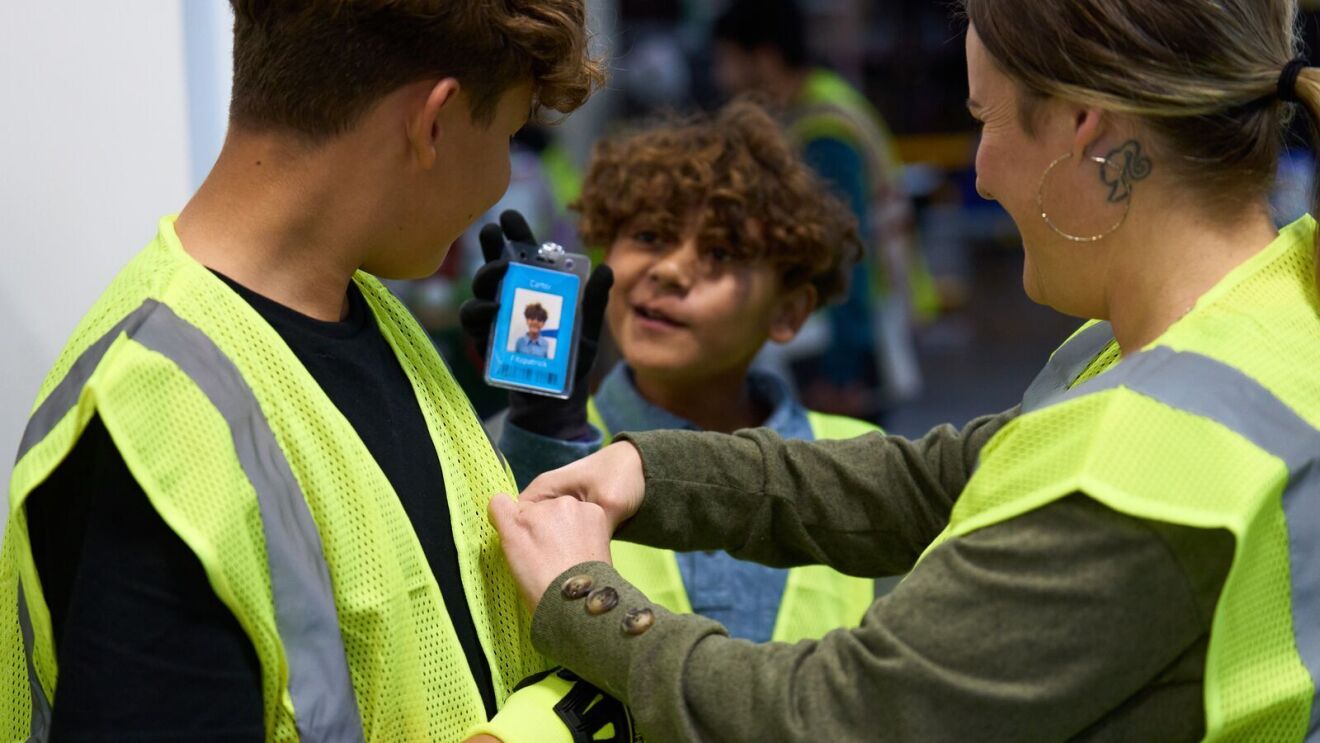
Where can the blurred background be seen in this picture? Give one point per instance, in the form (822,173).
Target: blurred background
(113,113)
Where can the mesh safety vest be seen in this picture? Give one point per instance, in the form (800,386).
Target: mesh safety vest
(1214,426)
(816,598)
(299,532)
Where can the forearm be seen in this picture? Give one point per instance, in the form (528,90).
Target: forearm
(866,506)
(1033,630)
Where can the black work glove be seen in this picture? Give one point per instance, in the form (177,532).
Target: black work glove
(546,416)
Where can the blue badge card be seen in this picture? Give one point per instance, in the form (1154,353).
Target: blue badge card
(533,346)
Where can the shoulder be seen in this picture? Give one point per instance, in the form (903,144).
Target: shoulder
(1133,452)
(146,275)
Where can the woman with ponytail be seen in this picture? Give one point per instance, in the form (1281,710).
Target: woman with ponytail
(1133,553)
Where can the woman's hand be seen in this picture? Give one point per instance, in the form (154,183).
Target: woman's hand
(543,539)
(611,478)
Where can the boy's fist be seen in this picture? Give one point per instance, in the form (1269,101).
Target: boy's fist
(546,416)
(478,313)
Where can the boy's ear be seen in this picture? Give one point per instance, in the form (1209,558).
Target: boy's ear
(426,124)
(791,312)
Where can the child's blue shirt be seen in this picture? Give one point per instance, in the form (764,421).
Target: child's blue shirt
(743,596)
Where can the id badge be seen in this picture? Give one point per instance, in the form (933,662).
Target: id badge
(534,340)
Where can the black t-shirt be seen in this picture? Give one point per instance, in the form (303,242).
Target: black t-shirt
(146,649)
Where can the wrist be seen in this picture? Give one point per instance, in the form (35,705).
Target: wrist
(565,420)
(548,417)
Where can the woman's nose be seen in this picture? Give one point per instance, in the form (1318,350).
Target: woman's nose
(982,192)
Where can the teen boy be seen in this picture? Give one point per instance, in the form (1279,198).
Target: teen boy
(760,46)
(250,501)
(720,239)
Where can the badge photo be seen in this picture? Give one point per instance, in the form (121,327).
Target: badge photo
(533,346)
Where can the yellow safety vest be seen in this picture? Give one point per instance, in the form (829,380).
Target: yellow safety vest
(299,531)
(816,598)
(1214,425)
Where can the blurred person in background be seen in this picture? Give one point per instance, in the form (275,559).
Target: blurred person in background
(862,360)
(1133,553)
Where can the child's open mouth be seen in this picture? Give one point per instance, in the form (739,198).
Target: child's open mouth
(653,318)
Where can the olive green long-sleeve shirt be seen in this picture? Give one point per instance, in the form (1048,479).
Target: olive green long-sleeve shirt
(1072,621)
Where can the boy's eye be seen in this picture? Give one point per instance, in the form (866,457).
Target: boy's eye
(649,237)
(720,254)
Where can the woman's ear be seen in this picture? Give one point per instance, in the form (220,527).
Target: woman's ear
(426,124)
(1088,128)
(791,313)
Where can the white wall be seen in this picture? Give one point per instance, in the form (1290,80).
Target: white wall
(208,51)
(94,147)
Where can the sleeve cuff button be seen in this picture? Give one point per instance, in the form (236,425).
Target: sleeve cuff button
(637,621)
(576,587)
(602,600)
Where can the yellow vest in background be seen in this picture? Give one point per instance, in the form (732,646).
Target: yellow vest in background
(299,531)
(1214,425)
(816,598)
(829,107)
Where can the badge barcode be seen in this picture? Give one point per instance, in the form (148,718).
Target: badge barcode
(528,376)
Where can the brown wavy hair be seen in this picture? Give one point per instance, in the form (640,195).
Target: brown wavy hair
(316,66)
(1201,76)
(736,170)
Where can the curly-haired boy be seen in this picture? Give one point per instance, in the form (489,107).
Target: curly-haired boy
(720,240)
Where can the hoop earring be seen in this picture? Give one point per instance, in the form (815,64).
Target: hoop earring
(1040,203)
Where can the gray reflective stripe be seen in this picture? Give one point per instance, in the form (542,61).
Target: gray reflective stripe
(40,705)
(319,680)
(62,399)
(1212,389)
(1067,363)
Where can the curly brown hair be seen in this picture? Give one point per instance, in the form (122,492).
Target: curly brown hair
(316,66)
(737,171)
